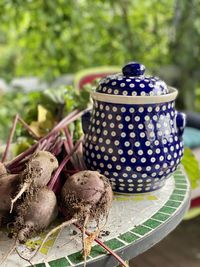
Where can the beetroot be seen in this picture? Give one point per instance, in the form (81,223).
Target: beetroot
(35,213)
(85,196)
(8,187)
(39,207)
(37,173)
(40,168)
(86,191)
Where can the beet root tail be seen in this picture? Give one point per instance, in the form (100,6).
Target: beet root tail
(59,227)
(19,194)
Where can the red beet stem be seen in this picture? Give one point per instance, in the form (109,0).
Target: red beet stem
(43,145)
(66,146)
(57,147)
(69,138)
(12,131)
(20,164)
(22,155)
(69,145)
(62,165)
(67,120)
(28,128)
(64,121)
(67,149)
(17,169)
(32,148)
(80,160)
(110,251)
(10,138)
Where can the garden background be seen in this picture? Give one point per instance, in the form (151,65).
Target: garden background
(48,39)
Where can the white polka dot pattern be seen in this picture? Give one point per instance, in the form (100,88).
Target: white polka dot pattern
(133,86)
(136,147)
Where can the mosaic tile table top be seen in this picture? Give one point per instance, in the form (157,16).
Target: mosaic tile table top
(135,224)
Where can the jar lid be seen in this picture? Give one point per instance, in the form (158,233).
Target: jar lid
(132,82)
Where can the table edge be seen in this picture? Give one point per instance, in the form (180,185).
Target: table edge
(143,244)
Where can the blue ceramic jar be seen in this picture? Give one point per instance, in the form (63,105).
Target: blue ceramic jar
(135,133)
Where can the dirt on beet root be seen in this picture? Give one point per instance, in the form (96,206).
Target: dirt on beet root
(86,193)
(37,173)
(36,213)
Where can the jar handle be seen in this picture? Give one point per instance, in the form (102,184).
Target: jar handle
(180,122)
(86,121)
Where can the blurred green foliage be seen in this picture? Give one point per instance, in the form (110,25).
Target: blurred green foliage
(54,37)
(49,38)
(10,105)
(191,166)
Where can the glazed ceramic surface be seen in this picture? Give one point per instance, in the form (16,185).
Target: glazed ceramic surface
(135,133)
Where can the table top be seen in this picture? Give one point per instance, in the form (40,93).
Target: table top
(136,223)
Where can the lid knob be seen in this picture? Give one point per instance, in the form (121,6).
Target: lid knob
(133,69)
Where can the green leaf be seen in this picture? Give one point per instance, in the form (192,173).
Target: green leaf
(191,166)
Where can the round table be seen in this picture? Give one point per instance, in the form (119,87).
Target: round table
(135,224)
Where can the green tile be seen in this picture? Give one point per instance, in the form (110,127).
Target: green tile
(128,237)
(76,257)
(161,216)
(179,186)
(179,175)
(167,210)
(63,262)
(177,197)
(180,181)
(152,223)
(179,192)
(141,230)
(97,251)
(114,243)
(172,203)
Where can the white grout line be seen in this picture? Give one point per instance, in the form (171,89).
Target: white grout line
(122,241)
